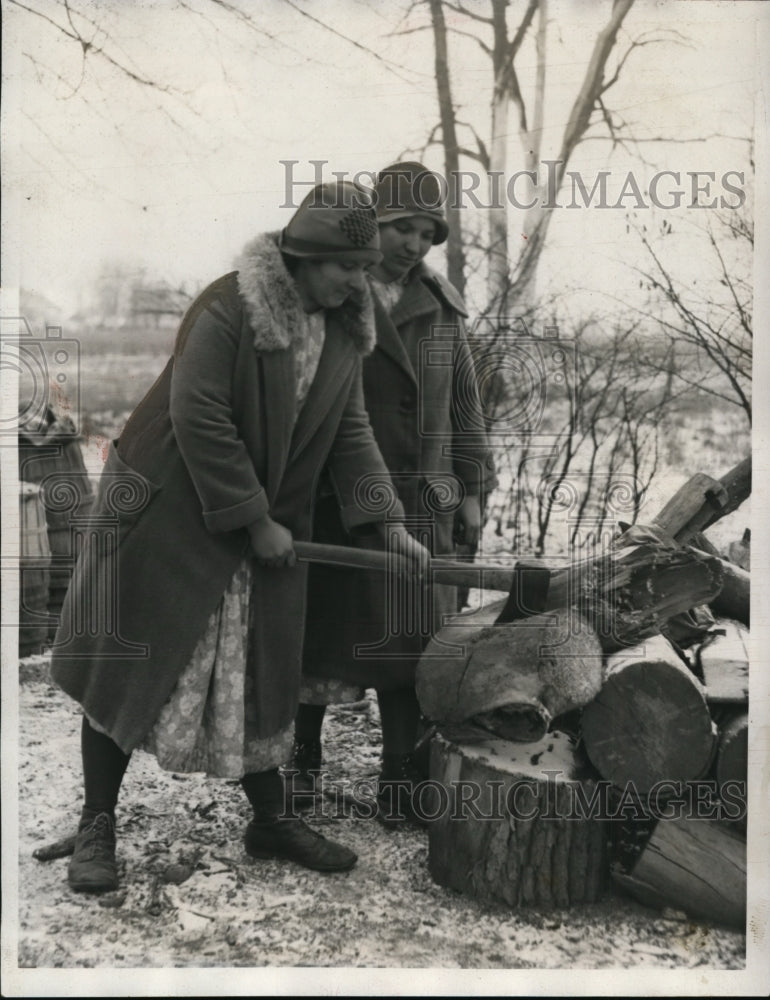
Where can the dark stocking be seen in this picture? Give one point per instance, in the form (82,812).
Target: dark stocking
(307,725)
(400,716)
(104,765)
(264,790)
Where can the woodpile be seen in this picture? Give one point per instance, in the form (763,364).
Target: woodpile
(615,699)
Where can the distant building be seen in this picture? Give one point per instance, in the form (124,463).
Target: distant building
(158,305)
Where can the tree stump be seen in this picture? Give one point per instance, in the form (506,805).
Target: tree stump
(512,679)
(695,865)
(650,721)
(512,829)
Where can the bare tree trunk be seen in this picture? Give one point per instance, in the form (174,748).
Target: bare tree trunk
(455,252)
(580,116)
(498,282)
(532,140)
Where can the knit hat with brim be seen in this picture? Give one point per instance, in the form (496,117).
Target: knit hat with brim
(336,221)
(409,189)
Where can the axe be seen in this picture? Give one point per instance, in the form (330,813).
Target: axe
(527,582)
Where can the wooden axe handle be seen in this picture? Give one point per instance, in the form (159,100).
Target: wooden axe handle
(449,571)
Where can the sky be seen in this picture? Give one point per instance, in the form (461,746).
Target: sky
(99,168)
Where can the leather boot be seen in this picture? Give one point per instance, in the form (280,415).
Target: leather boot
(92,867)
(291,838)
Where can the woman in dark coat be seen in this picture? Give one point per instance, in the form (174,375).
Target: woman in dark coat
(196,655)
(422,398)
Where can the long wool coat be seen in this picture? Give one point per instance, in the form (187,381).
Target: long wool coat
(211,448)
(421,394)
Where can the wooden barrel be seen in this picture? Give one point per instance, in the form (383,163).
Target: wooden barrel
(34,561)
(50,455)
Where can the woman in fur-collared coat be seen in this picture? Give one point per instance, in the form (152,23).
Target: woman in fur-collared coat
(198,658)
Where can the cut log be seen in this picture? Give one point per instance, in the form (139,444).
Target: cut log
(650,721)
(724,664)
(513,678)
(732,760)
(695,865)
(734,597)
(512,829)
(703,500)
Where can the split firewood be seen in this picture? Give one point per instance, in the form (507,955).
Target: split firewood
(649,722)
(695,865)
(703,500)
(631,594)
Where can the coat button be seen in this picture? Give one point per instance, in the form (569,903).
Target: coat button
(407,404)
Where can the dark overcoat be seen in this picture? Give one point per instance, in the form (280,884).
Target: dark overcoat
(212,447)
(422,397)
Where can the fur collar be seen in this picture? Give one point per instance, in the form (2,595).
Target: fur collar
(274,308)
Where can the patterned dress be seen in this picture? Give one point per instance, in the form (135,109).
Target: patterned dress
(207,724)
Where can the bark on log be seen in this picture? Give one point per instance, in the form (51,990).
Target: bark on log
(523,839)
(734,598)
(703,500)
(511,679)
(695,865)
(732,762)
(650,721)
(724,664)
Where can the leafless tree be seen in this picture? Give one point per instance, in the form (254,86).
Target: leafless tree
(706,322)
(488,27)
(600,445)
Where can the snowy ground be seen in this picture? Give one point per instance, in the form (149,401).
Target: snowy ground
(234,912)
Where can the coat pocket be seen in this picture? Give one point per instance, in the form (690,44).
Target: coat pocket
(123,496)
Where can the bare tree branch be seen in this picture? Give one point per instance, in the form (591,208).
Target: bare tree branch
(458,9)
(392,67)
(467,34)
